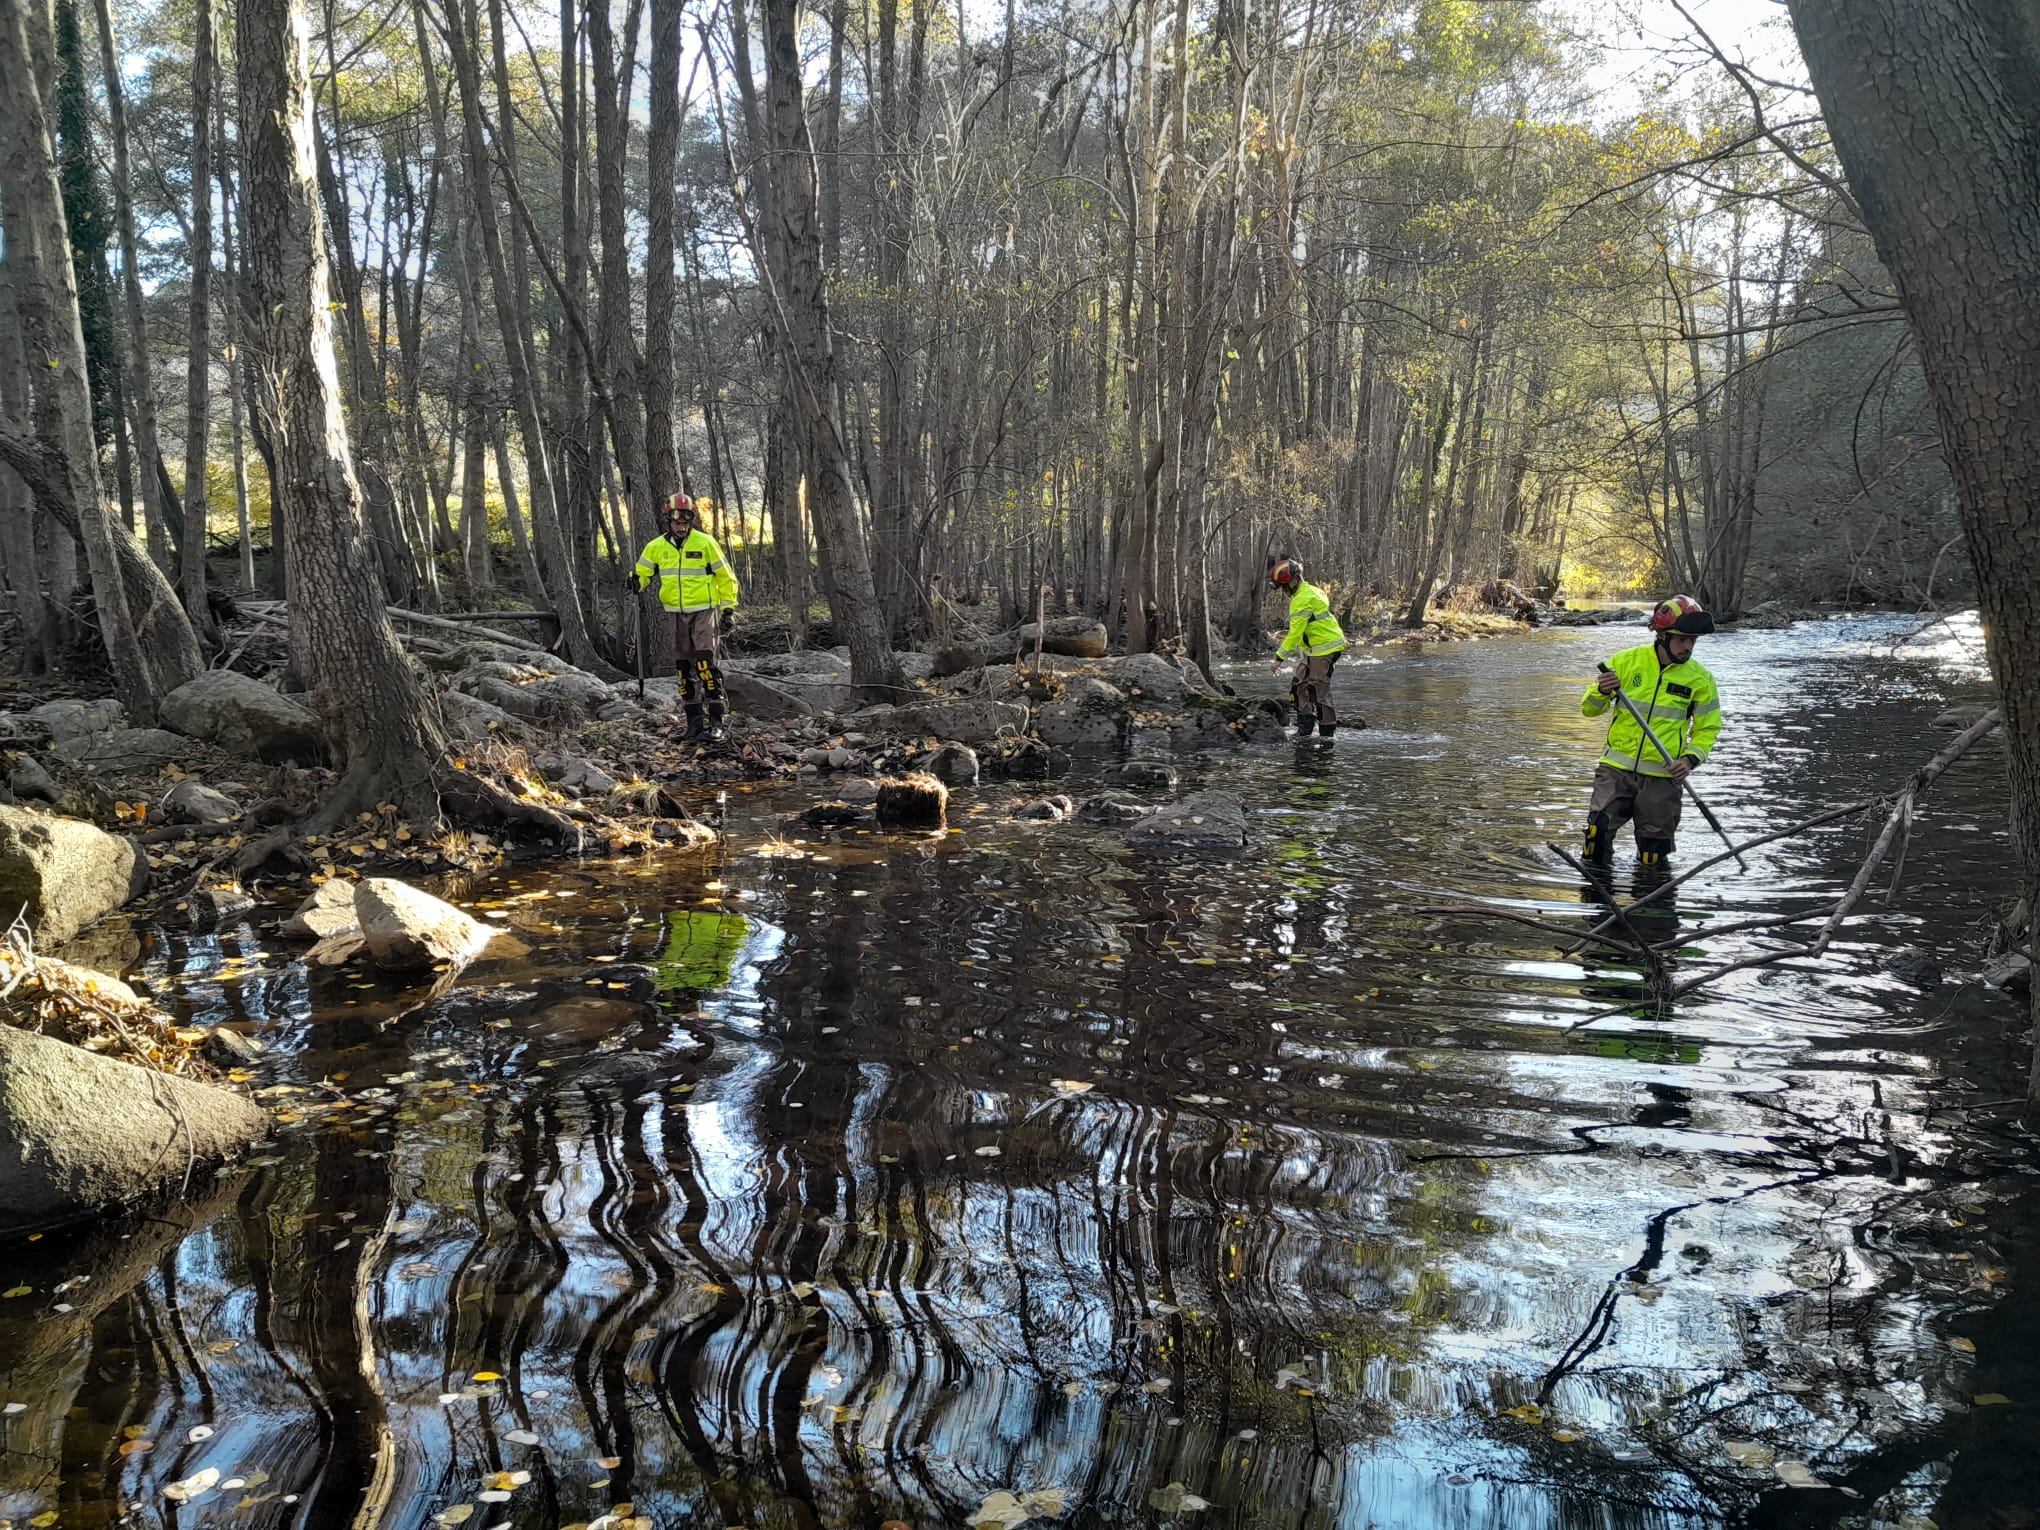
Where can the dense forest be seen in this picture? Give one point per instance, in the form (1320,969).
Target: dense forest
(934,306)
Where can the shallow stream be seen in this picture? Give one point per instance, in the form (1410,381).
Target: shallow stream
(1006,1161)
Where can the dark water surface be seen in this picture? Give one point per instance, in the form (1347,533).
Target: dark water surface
(1008,1161)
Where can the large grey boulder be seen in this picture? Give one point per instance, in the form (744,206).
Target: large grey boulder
(471,719)
(809,662)
(126,749)
(407,930)
(1201,821)
(967,721)
(81,1133)
(556,693)
(243,716)
(63,873)
(764,700)
(1154,678)
(76,719)
(1076,725)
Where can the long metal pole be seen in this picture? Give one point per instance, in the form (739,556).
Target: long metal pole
(1705,811)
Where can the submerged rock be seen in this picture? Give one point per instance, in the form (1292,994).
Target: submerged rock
(81,1134)
(1151,774)
(1203,821)
(2011,973)
(244,716)
(62,873)
(1051,809)
(1110,811)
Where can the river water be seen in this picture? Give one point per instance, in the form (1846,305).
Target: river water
(919,1170)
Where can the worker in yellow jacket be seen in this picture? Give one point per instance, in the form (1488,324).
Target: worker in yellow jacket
(1679,701)
(695,585)
(1316,639)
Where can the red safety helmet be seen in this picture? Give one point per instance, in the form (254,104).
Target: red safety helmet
(1286,574)
(1683,614)
(679,504)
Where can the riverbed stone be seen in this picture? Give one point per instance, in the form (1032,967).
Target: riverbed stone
(328,911)
(1148,774)
(31,783)
(952,764)
(126,749)
(407,929)
(243,716)
(2011,973)
(1202,821)
(195,802)
(63,873)
(1048,809)
(77,719)
(1111,811)
(81,1134)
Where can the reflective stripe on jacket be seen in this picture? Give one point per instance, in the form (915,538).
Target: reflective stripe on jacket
(1681,704)
(694,576)
(1312,627)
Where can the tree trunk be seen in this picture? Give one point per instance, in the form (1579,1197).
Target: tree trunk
(390,743)
(198,355)
(662,461)
(800,312)
(141,394)
(1935,110)
(66,481)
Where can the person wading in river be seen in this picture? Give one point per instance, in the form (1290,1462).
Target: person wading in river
(696,585)
(1317,640)
(1679,701)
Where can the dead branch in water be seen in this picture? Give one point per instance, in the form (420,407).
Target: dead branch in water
(1890,844)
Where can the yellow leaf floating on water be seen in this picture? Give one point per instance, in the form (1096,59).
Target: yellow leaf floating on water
(459,1514)
(1069,1085)
(136,1447)
(486,1376)
(1967,1346)
(45,1519)
(1990,1399)
(18,1291)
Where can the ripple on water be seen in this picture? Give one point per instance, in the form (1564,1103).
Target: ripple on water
(1009,1160)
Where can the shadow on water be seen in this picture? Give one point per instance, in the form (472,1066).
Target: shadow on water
(826,1183)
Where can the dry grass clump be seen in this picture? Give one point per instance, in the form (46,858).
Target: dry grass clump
(90,1010)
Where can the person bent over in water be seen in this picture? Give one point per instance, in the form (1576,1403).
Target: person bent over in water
(1317,640)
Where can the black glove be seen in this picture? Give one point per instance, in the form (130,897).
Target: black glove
(630,583)
(728,621)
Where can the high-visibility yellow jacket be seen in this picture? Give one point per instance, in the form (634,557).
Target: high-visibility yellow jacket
(1681,704)
(693,576)
(1312,627)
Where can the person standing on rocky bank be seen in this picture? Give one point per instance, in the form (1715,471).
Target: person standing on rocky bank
(697,587)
